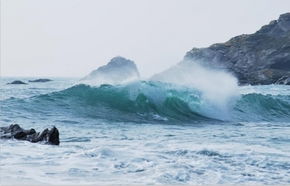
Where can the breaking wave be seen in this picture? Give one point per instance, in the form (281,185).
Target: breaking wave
(148,101)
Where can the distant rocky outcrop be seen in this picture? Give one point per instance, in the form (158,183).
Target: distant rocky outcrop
(118,70)
(259,58)
(17,82)
(39,80)
(14,131)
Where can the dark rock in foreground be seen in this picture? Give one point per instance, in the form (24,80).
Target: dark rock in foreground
(40,80)
(15,131)
(17,82)
(259,58)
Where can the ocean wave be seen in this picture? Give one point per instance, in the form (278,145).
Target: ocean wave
(141,101)
(256,106)
(148,101)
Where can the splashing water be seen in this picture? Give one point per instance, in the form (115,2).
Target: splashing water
(219,88)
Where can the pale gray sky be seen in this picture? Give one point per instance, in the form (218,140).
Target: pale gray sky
(73,37)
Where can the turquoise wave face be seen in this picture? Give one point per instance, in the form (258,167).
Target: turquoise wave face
(153,101)
(257,107)
(142,101)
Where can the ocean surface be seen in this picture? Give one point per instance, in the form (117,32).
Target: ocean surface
(146,133)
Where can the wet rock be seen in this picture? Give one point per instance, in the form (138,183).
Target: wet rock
(17,82)
(40,80)
(15,131)
(285,80)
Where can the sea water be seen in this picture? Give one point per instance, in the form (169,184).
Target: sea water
(146,132)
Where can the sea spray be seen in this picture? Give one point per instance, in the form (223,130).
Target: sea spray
(219,89)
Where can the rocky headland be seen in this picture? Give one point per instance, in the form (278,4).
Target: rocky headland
(259,58)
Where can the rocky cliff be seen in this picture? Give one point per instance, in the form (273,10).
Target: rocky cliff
(118,70)
(259,58)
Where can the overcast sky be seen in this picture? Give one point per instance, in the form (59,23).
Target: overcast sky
(73,37)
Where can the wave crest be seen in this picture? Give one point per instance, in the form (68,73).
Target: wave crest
(148,101)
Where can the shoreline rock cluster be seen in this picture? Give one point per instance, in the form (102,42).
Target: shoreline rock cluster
(19,82)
